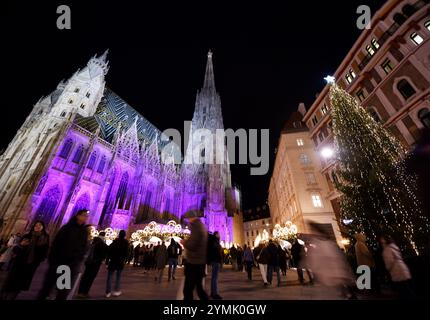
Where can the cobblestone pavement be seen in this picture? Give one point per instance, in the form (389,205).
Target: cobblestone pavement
(233,285)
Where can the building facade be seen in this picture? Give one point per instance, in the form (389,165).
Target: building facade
(257,223)
(297,190)
(83,147)
(388,71)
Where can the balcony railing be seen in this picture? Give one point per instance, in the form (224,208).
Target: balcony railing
(387,34)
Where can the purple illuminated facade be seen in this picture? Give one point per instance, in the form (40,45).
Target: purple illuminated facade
(83,147)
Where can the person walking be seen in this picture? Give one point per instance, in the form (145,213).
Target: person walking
(116,258)
(248,258)
(196,247)
(6,256)
(160,261)
(239,258)
(174,250)
(215,258)
(263,260)
(68,249)
(397,268)
(37,252)
(136,253)
(16,277)
(365,258)
(96,256)
(273,265)
(282,260)
(233,257)
(298,254)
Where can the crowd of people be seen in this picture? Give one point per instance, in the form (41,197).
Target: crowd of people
(318,259)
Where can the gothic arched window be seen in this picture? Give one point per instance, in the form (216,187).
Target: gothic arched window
(83,203)
(424,116)
(67,146)
(92,160)
(406,89)
(122,190)
(102,164)
(49,204)
(78,154)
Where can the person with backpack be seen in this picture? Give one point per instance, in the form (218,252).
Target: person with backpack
(215,258)
(174,250)
(97,254)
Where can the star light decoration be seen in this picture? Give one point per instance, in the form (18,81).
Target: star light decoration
(161,231)
(330,79)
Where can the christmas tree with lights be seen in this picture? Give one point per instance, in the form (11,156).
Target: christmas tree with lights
(378,196)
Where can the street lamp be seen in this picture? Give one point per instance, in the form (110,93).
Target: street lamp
(327,152)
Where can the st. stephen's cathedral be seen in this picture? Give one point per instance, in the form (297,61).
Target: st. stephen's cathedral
(83,147)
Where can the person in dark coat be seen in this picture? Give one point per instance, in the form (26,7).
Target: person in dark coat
(16,278)
(96,256)
(196,253)
(117,256)
(262,257)
(68,249)
(239,258)
(160,261)
(282,260)
(37,251)
(273,263)
(215,258)
(299,254)
(174,250)
(137,253)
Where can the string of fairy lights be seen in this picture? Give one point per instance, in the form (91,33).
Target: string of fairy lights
(377,192)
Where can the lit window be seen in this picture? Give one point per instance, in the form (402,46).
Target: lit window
(316,201)
(370,50)
(352,73)
(416,38)
(300,142)
(304,159)
(360,95)
(406,89)
(387,66)
(427,25)
(348,78)
(375,43)
(324,109)
(310,178)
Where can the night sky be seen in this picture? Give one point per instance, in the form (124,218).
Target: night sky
(268,58)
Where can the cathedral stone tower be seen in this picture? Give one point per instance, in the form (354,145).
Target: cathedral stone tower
(208,180)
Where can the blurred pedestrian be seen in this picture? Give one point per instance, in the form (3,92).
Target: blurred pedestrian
(18,270)
(273,264)
(298,254)
(116,258)
(215,258)
(97,254)
(7,254)
(248,258)
(329,264)
(160,261)
(397,268)
(364,257)
(282,260)
(196,257)
(174,250)
(68,249)
(263,260)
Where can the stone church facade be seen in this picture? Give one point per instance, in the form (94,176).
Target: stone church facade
(83,147)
